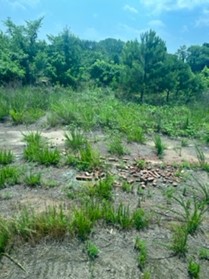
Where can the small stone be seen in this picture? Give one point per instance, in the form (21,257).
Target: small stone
(150,179)
(112,159)
(84,177)
(131,181)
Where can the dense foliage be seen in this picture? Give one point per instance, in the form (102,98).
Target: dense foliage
(138,70)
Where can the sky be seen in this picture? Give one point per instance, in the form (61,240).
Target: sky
(177,22)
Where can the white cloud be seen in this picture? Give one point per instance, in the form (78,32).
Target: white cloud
(22,4)
(169,5)
(202,22)
(130,9)
(156,23)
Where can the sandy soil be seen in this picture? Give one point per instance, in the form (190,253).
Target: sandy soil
(117,258)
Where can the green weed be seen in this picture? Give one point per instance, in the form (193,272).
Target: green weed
(47,156)
(169,193)
(201,159)
(159,146)
(16,116)
(75,140)
(123,216)
(89,158)
(4,109)
(33,138)
(33,179)
(103,189)
(193,211)
(38,151)
(4,235)
(146,275)
(116,147)
(135,134)
(92,250)
(140,246)
(6,157)
(141,164)
(140,219)
(54,222)
(179,241)
(9,176)
(193,269)
(81,225)
(127,187)
(204,254)
(24,224)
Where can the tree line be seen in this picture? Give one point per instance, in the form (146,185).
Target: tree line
(139,70)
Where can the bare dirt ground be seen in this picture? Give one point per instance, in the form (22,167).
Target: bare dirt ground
(117,258)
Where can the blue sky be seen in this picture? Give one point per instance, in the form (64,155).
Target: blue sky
(178,22)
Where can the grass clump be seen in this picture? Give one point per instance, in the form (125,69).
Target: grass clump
(81,224)
(8,176)
(140,246)
(103,189)
(140,219)
(34,143)
(179,241)
(92,250)
(54,223)
(4,235)
(127,187)
(204,254)
(194,269)
(75,140)
(159,146)
(17,116)
(123,216)
(89,158)
(47,156)
(201,159)
(38,151)
(6,157)
(86,159)
(24,225)
(33,179)
(116,147)
(135,134)
(193,212)
(141,164)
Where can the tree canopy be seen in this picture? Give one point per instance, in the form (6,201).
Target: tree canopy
(142,70)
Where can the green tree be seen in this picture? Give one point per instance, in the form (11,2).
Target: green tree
(143,64)
(198,57)
(64,52)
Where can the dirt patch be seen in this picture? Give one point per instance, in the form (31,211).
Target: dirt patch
(117,257)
